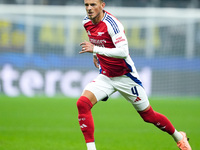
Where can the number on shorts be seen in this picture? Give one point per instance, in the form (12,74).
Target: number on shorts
(134,91)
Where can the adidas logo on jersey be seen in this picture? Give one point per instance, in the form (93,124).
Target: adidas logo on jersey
(137,99)
(89,32)
(83,126)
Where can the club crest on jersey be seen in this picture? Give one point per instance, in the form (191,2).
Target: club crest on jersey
(100,33)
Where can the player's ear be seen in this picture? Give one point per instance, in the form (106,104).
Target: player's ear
(103,5)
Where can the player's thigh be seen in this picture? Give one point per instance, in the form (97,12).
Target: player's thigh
(100,87)
(133,92)
(139,98)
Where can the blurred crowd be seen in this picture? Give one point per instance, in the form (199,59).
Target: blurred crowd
(125,3)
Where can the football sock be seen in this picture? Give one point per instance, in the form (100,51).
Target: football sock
(158,120)
(177,136)
(85,118)
(91,146)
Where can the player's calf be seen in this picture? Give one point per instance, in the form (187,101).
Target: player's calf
(85,118)
(159,120)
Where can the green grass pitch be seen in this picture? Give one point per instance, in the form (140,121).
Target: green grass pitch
(52,124)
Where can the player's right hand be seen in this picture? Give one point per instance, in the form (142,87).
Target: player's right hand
(87,47)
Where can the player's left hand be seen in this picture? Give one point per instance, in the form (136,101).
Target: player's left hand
(87,47)
(96,62)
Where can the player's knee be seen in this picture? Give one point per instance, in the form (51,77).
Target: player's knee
(79,104)
(84,105)
(148,119)
(148,116)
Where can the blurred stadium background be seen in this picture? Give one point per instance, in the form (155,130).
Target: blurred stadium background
(39,45)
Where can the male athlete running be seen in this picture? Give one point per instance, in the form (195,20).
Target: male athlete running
(109,46)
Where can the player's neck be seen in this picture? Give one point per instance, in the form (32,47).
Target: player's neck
(98,18)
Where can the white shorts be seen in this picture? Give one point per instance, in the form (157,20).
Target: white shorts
(127,85)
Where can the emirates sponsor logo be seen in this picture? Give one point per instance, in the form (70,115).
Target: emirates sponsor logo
(98,42)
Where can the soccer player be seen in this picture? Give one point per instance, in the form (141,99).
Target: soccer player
(109,46)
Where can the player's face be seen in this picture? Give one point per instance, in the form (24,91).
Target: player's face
(94,9)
